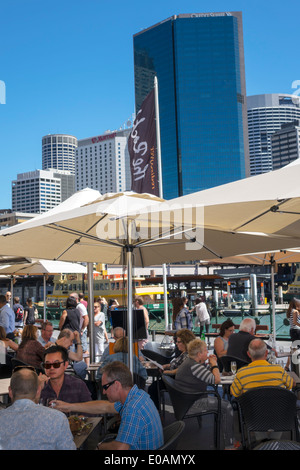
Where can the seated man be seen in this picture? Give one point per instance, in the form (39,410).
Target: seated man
(140,427)
(259,373)
(46,333)
(67,338)
(194,375)
(238,342)
(120,353)
(60,385)
(27,426)
(118,333)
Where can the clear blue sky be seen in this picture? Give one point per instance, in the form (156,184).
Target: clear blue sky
(68,65)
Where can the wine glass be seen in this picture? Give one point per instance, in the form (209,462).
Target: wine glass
(233,367)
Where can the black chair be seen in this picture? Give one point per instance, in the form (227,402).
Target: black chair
(266,409)
(183,399)
(172,432)
(17,362)
(226,361)
(278,445)
(149,354)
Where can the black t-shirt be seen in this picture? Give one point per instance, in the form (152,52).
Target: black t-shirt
(72,321)
(30,320)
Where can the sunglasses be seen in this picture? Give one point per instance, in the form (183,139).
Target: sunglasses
(106,386)
(55,365)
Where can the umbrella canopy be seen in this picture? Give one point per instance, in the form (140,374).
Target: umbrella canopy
(268,203)
(129,228)
(104,230)
(41,267)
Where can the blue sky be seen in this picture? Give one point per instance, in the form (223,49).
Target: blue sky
(68,65)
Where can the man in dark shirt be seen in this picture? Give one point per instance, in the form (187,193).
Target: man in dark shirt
(238,342)
(60,385)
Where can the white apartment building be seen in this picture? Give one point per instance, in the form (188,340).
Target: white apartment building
(102,162)
(266,114)
(40,190)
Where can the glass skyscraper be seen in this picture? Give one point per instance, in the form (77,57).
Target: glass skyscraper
(199,63)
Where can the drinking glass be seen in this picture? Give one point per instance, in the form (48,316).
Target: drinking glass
(233,367)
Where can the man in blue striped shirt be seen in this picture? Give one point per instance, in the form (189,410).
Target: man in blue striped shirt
(140,427)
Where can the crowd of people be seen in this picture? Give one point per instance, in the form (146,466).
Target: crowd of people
(41,376)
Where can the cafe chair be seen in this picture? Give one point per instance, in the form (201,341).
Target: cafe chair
(278,445)
(16,362)
(172,433)
(182,400)
(154,356)
(265,410)
(226,361)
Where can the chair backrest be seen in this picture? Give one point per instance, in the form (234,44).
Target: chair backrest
(266,409)
(156,347)
(181,398)
(172,433)
(226,361)
(278,445)
(16,362)
(149,354)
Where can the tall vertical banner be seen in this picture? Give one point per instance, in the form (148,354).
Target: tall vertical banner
(142,149)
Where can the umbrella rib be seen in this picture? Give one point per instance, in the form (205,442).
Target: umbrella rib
(81,234)
(271,209)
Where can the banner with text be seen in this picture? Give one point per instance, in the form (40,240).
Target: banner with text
(142,149)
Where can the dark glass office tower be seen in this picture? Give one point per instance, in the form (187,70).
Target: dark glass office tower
(199,62)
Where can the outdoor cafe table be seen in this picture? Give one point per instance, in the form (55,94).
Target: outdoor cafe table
(4,384)
(81,438)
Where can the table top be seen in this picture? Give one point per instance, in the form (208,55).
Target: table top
(4,384)
(94,366)
(79,439)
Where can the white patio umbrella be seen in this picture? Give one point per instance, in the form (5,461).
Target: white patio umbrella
(268,203)
(43,268)
(119,229)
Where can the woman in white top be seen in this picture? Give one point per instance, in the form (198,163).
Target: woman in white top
(202,315)
(293,314)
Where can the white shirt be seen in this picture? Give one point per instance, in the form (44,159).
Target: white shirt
(201,312)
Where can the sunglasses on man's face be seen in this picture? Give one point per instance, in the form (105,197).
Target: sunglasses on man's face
(106,386)
(55,365)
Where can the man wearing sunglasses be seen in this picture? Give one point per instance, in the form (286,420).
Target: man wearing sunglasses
(140,427)
(25,425)
(59,384)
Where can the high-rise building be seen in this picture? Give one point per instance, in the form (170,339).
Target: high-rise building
(266,114)
(199,63)
(102,162)
(286,144)
(40,190)
(58,151)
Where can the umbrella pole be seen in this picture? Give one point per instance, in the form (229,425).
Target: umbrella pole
(129,308)
(11,290)
(158,145)
(273,299)
(91,310)
(44,297)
